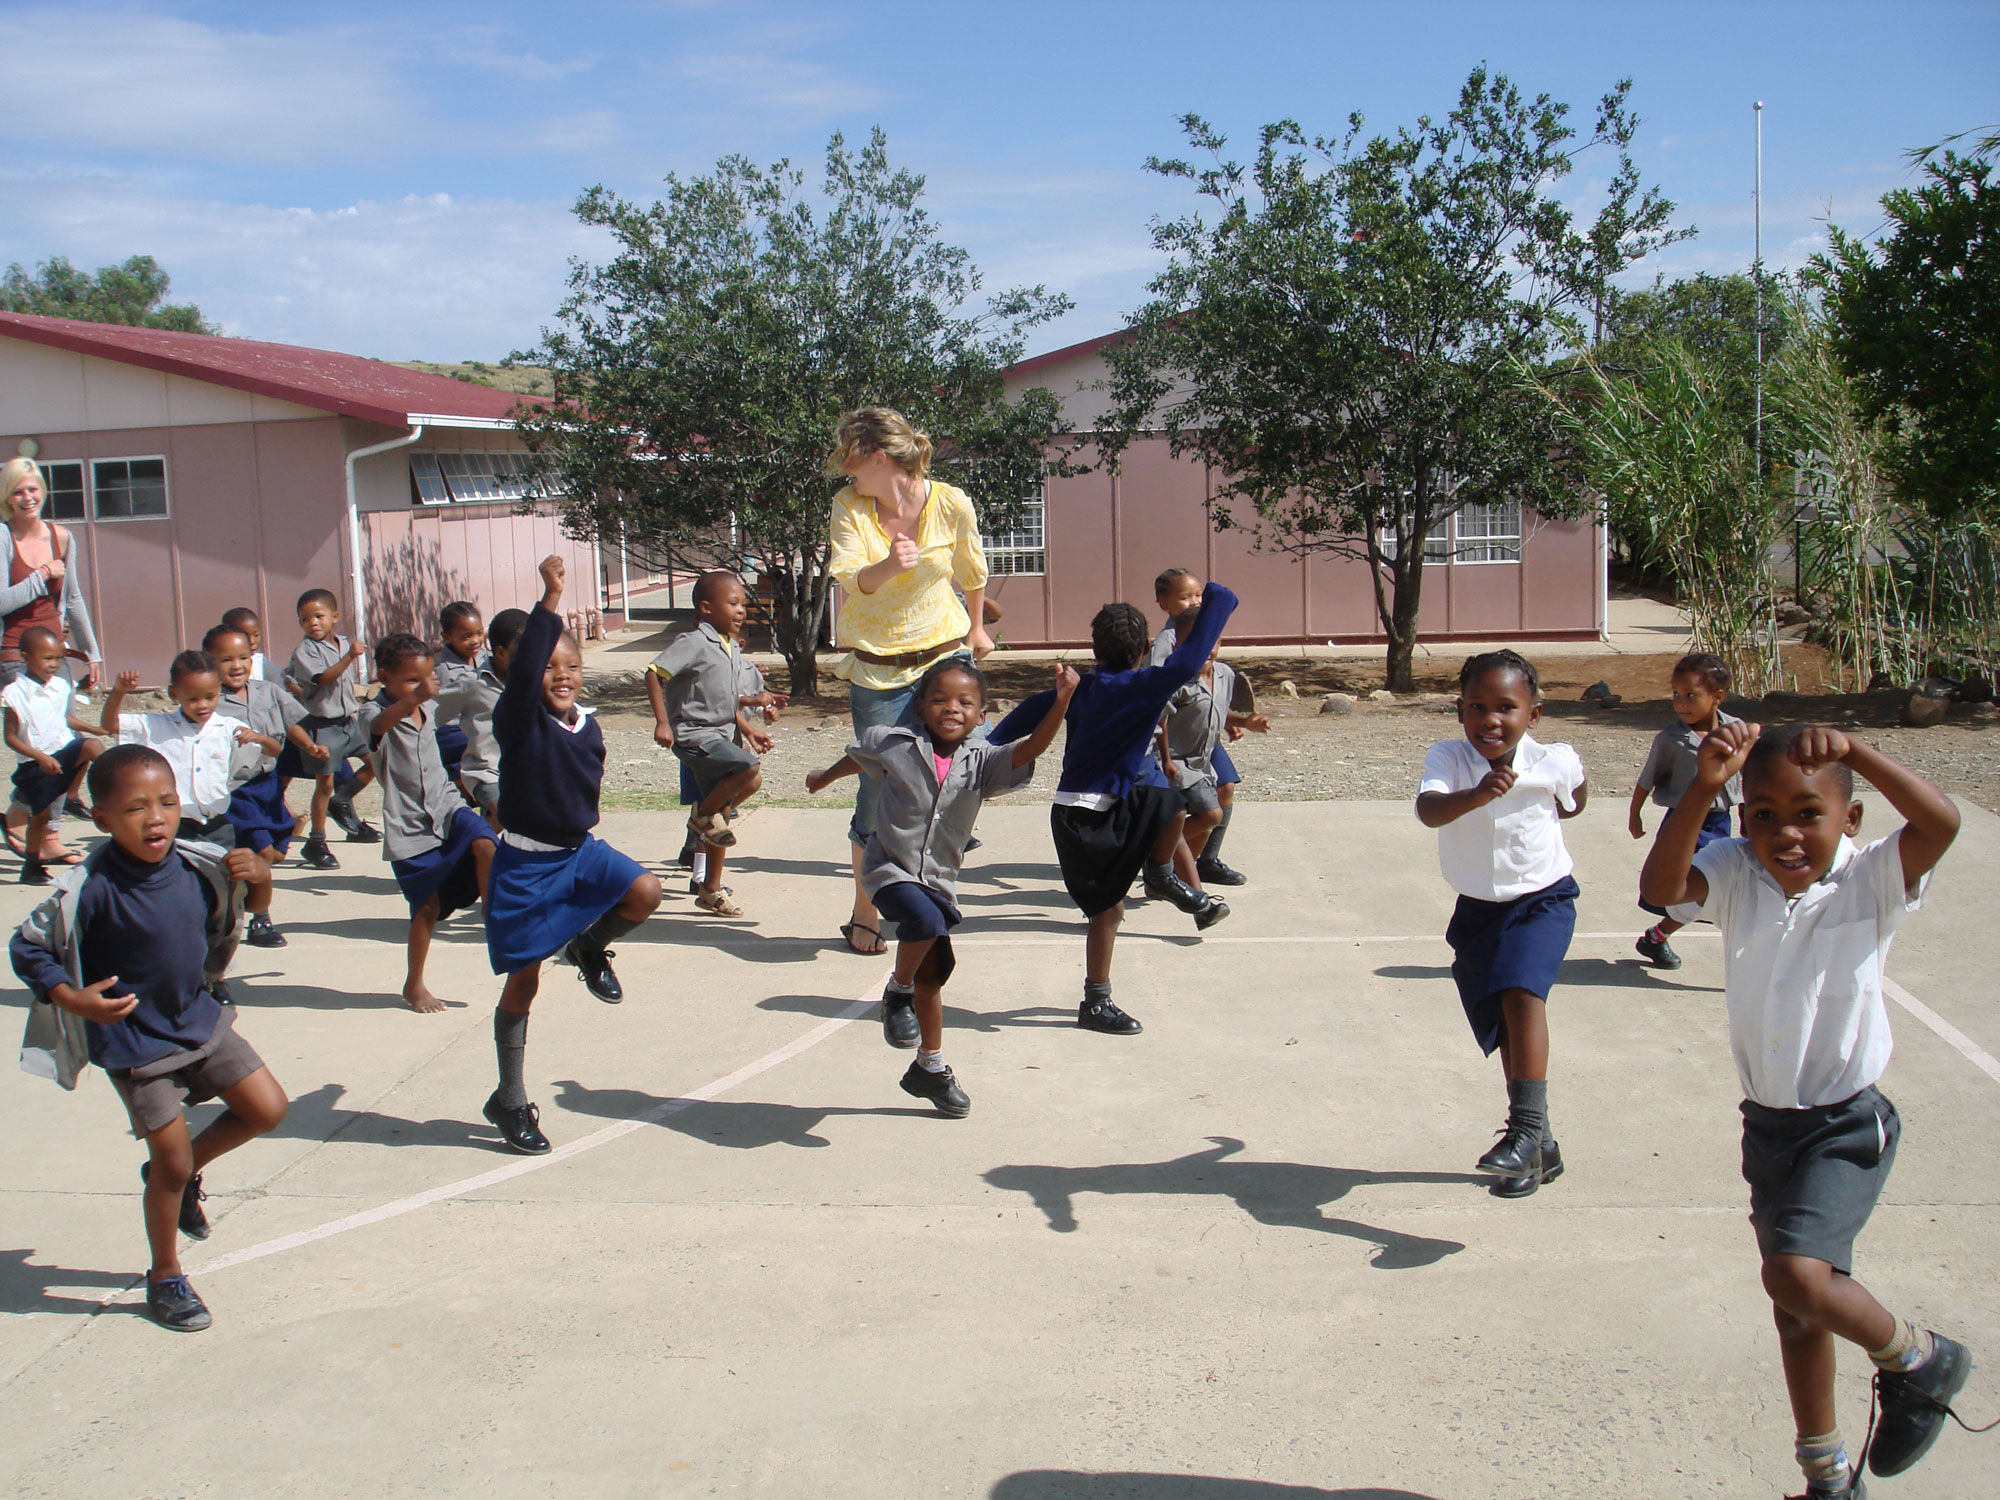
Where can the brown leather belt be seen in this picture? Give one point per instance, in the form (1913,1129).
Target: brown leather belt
(908,658)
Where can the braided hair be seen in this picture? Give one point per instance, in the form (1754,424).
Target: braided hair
(1499,661)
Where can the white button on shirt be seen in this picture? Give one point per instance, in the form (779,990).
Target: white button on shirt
(1804,976)
(43,709)
(199,753)
(1513,845)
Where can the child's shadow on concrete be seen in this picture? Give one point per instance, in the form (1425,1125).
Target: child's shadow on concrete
(739,1124)
(1620,974)
(318,1117)
(25,1287)
(1283,1194)
(264,989)
(1071,1484)
(958,1020)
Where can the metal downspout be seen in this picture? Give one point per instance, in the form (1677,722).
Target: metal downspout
(360,628)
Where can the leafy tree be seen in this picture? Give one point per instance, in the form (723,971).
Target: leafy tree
(1341,344)
(699,373)
(134,294)
(1916,323)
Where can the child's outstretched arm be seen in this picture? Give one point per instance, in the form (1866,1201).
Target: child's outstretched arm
(553,571)
(1255,723)
(1669,878)
(1045,732)
(356,649)
(1930,821)
(114,701)
(306,744)
(819,781)
(1435,809)
(400,710)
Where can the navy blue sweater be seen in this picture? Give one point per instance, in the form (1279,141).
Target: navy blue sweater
(148,924)
(549,773)
(1112,715)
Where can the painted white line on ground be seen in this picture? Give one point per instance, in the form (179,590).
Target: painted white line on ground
(1964,1045)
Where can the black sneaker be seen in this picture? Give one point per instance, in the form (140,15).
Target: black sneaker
(940,1088)
(1853,1489)
(1170,887)
(1522,1187)
(1515,1154)
(1105,1016)
(1914,1406)
(1215,872)
(899,1018)
(1210,914)
(351,823)
(172,1303)
(1656,952)
(974,842)
(193,1220)
(261,934)
(594,964)
(34,872)
(316,856)
(520,1126)
(220,989)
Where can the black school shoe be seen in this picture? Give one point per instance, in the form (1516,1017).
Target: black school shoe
(1854,1489)
(316,856)
(261,934)
(1215,872)
(1105,1016)
(1170,887)
(193,1220)
(940,1088)
(1515,1154)
(172,1303)
(1522,1187)
(220,989)
(594,964)
(1658,954)
(350,822)
(1210,914)
(899,1019)
(1914,1406)
(34,872)
(520,1126)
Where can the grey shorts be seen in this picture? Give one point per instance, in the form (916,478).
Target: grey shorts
(1200,796)
(154,1100)
(708,761)
(1815,1174)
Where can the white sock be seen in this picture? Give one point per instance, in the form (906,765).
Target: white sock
(700,866)
(931,1062)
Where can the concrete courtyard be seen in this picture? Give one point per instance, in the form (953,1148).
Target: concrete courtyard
(1240,1257)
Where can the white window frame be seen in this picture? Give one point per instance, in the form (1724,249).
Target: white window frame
(478,467)
(1488,541)
(1023,551)
(98,518)
(82,490)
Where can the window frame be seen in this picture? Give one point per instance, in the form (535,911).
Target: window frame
(1004,551)
(82,489)
(477,465)
(1516,539)
(98,518)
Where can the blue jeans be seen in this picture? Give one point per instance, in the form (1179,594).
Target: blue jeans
(873,707)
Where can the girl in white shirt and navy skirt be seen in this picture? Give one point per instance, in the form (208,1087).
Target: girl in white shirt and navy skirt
(1497,799)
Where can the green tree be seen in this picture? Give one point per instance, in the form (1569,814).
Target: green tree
(134,294)
(1340,344)
(699,373)
(1916,323)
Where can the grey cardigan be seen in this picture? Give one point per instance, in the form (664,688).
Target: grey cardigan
(70,608)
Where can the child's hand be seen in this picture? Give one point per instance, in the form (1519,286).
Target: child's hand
(1637,824)
(1257,724)
(1817,748)
(663,736)
(127,682)
(1722,754)
(1234,731)
(770,712)
(241,864)
(759,741)
(1497,782)
(1173,772)
(427,689)
(818,781)
(1066,681)
(356,649)
(93,1004)
(318,751)
(49,764)
(245,735)
(553,571)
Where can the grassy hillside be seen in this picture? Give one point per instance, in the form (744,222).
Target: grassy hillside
(524,380)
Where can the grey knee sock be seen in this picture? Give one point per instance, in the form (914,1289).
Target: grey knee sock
(510,1041)
(1528,1106)
(1095,993)
(1212,850)
(608,929)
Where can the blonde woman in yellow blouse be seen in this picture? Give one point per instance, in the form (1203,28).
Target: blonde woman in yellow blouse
(901,540)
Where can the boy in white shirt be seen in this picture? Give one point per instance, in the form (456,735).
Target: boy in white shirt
(1807,919)
(1497,799)
(43,730)
(198,743)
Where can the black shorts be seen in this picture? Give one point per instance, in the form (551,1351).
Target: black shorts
(1100,852)
(710,760)
(1815,1174)
(36,789)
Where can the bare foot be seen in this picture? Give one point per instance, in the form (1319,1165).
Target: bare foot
(422,1001)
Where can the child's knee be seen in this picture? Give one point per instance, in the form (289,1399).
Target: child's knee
(1797,1285)
(91,750)
(644,894)
(754,780)
(171,1160)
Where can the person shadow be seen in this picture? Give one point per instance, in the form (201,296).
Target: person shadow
(317,1116)
(1072,1484)
(1283,1194)
(1620,973)
(737,1124)
(25,1287)
(955,1019)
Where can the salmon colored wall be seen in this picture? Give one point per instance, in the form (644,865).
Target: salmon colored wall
(420,560)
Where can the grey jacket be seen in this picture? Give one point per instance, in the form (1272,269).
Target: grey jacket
(70,608)
(921,826)
(57,1042)
(1197,719)
(467,695)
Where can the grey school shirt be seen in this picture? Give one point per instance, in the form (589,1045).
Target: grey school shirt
(336,700)
(266,708)
(921,825)
(468,694)
(1670,765)
(699,670)
(1197,718)
(417,800)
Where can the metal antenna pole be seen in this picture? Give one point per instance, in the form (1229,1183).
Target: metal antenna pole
(1757,278)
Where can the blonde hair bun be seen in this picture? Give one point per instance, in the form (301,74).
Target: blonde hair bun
(879,429)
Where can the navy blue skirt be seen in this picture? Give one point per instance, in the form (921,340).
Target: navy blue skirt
(1225,768)
(448,872)
(258,813)
(1714,826)
(36,789)
(451,748)
(1509,945)
(538,900)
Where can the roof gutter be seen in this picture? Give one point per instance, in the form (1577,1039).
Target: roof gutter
(354,520)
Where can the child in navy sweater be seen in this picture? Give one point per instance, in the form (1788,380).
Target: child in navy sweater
(1113,809)
(553,887)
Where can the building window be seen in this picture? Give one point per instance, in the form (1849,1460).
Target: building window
(126,489)
(64,484)
(1489,533)
(1023,550)
(471,478)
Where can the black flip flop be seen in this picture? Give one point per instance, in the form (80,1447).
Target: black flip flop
(847,931)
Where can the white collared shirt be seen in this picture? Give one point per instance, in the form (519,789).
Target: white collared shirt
(1804,975)
(1513,845)
(43,709)
(199,753)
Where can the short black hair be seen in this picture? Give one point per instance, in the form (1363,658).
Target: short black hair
(400,647)
(1776,743)
(706,585)
(106,770)
(317,596)
(241,617)
(36,633)
(505,628)
(1118,637)
(217,632)
(1168,579)
(1478,666)
(455,613)
(944,668)
(190,664)
(1707,668)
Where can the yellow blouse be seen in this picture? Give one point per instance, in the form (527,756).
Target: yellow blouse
(916,609)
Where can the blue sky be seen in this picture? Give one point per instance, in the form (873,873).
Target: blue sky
(397,180)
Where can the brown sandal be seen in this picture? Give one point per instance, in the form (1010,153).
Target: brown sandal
(717,903)
(712,830)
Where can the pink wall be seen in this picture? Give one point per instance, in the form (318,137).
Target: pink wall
(419,560)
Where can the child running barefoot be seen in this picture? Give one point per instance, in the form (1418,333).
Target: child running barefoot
(43,729)
(322,671)
(468,699)
(439,848)
(268,718)
(1807,920)
(554,888)
(1199,718)
(694,687)
(1700,683)
(131,946)
(933,779)
(1113,810)
(1497,799)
